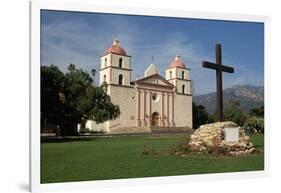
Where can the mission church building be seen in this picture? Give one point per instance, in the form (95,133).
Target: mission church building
(145,103)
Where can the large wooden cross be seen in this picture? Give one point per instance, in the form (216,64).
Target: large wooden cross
(219,69)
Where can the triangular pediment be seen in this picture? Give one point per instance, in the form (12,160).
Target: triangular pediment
(154,79)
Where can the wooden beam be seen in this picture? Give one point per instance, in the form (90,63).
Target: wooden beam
(214,66)
(219,68)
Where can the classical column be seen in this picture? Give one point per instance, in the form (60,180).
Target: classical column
(162,110)
(168,110)
(138,123)
(173,111)
(144,108)
(149,109)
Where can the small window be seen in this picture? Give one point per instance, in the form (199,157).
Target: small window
(182,75)
(104,78)
(120,80)
(170,74)
(154,96)
(105,62)
(183,89)
(120,62)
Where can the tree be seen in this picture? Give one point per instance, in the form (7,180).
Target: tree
(93,71)
(79,100)
(211,118)
(52,80)
(255,122)
(233,112)
(257,112)
(199,115)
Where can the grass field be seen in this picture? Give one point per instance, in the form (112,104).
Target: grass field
(119,157)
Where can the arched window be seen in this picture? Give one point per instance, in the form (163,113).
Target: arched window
(183,89)
(182,75)
(120,62)
(104,78)
(120,79)
(170,74)
(105,62)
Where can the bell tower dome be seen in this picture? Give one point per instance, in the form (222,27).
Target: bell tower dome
(115,65)
(179,75)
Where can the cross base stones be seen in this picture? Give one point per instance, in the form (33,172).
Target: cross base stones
(210,138)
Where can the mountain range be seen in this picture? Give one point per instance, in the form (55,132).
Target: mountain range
(249,97)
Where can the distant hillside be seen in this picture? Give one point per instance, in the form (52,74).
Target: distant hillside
(248,96)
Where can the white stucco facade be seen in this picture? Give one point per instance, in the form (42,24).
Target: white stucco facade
(150,101)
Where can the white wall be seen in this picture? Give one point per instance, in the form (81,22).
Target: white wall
(186,73)
(125,59)
(177,73)
(187,85)
(125,73)
(126,99)
(170,73)
(183,111)
(113,60)
(93,126)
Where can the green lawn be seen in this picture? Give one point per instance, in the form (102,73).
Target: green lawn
(118,157)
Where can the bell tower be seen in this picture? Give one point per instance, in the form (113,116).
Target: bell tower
(179,76)
(115,66)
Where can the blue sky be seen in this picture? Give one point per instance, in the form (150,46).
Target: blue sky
(81,38)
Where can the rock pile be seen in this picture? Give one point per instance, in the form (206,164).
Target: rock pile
(210,138)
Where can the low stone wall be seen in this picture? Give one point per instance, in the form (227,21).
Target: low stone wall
(152,130)
(210,138)
(129,130)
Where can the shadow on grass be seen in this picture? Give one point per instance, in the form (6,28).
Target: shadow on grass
(65,139)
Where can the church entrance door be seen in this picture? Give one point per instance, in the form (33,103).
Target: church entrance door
(155,121)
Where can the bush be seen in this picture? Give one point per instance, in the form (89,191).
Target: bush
(200,115)
(254,125)
(233,112)
(257,112)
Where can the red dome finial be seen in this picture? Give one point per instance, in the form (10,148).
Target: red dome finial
(116,49)
(177,62)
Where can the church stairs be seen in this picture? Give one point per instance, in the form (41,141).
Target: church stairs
(152,130)
(170,130)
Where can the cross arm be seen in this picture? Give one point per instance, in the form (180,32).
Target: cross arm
(214,66)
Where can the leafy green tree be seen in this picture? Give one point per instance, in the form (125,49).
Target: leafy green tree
(200,115)
(79,100)
(254,124)
(52,80)
(211,118)
(233,112)
(257,112)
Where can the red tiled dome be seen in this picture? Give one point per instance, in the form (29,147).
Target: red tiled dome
(116,49)
(177,62)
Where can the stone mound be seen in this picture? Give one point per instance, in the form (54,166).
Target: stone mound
(211,138)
